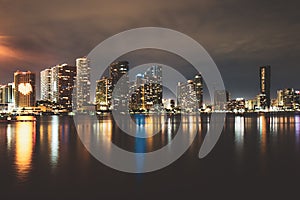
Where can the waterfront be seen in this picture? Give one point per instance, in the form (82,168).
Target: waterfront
(257,156)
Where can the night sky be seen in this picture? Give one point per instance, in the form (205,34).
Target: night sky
(239,35)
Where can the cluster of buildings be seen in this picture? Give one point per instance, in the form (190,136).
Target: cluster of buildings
(66,89)
(286,100)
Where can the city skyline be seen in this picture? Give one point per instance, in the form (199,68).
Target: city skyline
(60,83)
(139,99)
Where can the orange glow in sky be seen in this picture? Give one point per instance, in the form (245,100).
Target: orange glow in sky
(5,50)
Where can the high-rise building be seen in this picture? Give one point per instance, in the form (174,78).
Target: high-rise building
(221,98)
(83,83)
(57,86)
(63,81)
(288,99)
(7,97)
(24,89)
(146,92)
(2,94)
(119,72)
(9,93)
(103,94)
(137,92)
(186,96)
(265,86)
(153,87)
(46,84)
(280,98)
(198,86)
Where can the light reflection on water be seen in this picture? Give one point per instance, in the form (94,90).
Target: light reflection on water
(239,129)
(49,135)
(54,140)
(25,142)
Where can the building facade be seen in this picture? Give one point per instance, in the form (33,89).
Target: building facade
(83,84)
(221,98)
(288,99)
(147,90)
(265,87)
(198,86)
(118,72)
(186,97)
(103,94)
(46,81)
(57,86)
(24,84)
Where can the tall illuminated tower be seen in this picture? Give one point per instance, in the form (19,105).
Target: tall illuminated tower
(83,83)
(62,85)
(265,86)
(24,89)
(198,86)
(46,80)
(118,70)
(103,94)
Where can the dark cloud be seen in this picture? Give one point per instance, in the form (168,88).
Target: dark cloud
(239,35)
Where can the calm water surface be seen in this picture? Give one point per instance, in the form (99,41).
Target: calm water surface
(257,156)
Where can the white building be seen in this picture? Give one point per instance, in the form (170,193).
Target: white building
(83,83)
(46,77)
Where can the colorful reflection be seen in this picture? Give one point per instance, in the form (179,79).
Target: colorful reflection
(140,143)
(25,140)
(239,129)
(297,129)
(9,137)
(262,128)
(53,139)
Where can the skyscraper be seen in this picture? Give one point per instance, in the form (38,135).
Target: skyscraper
(265,86)
(186,96)
(57,85)
(24,89)
(7,93)
(46,81)
(198,86)
(146,92)
(137,92)
(83,83)
(103,94)
(63,81)
(221,98)
(153,86)
(118,70)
